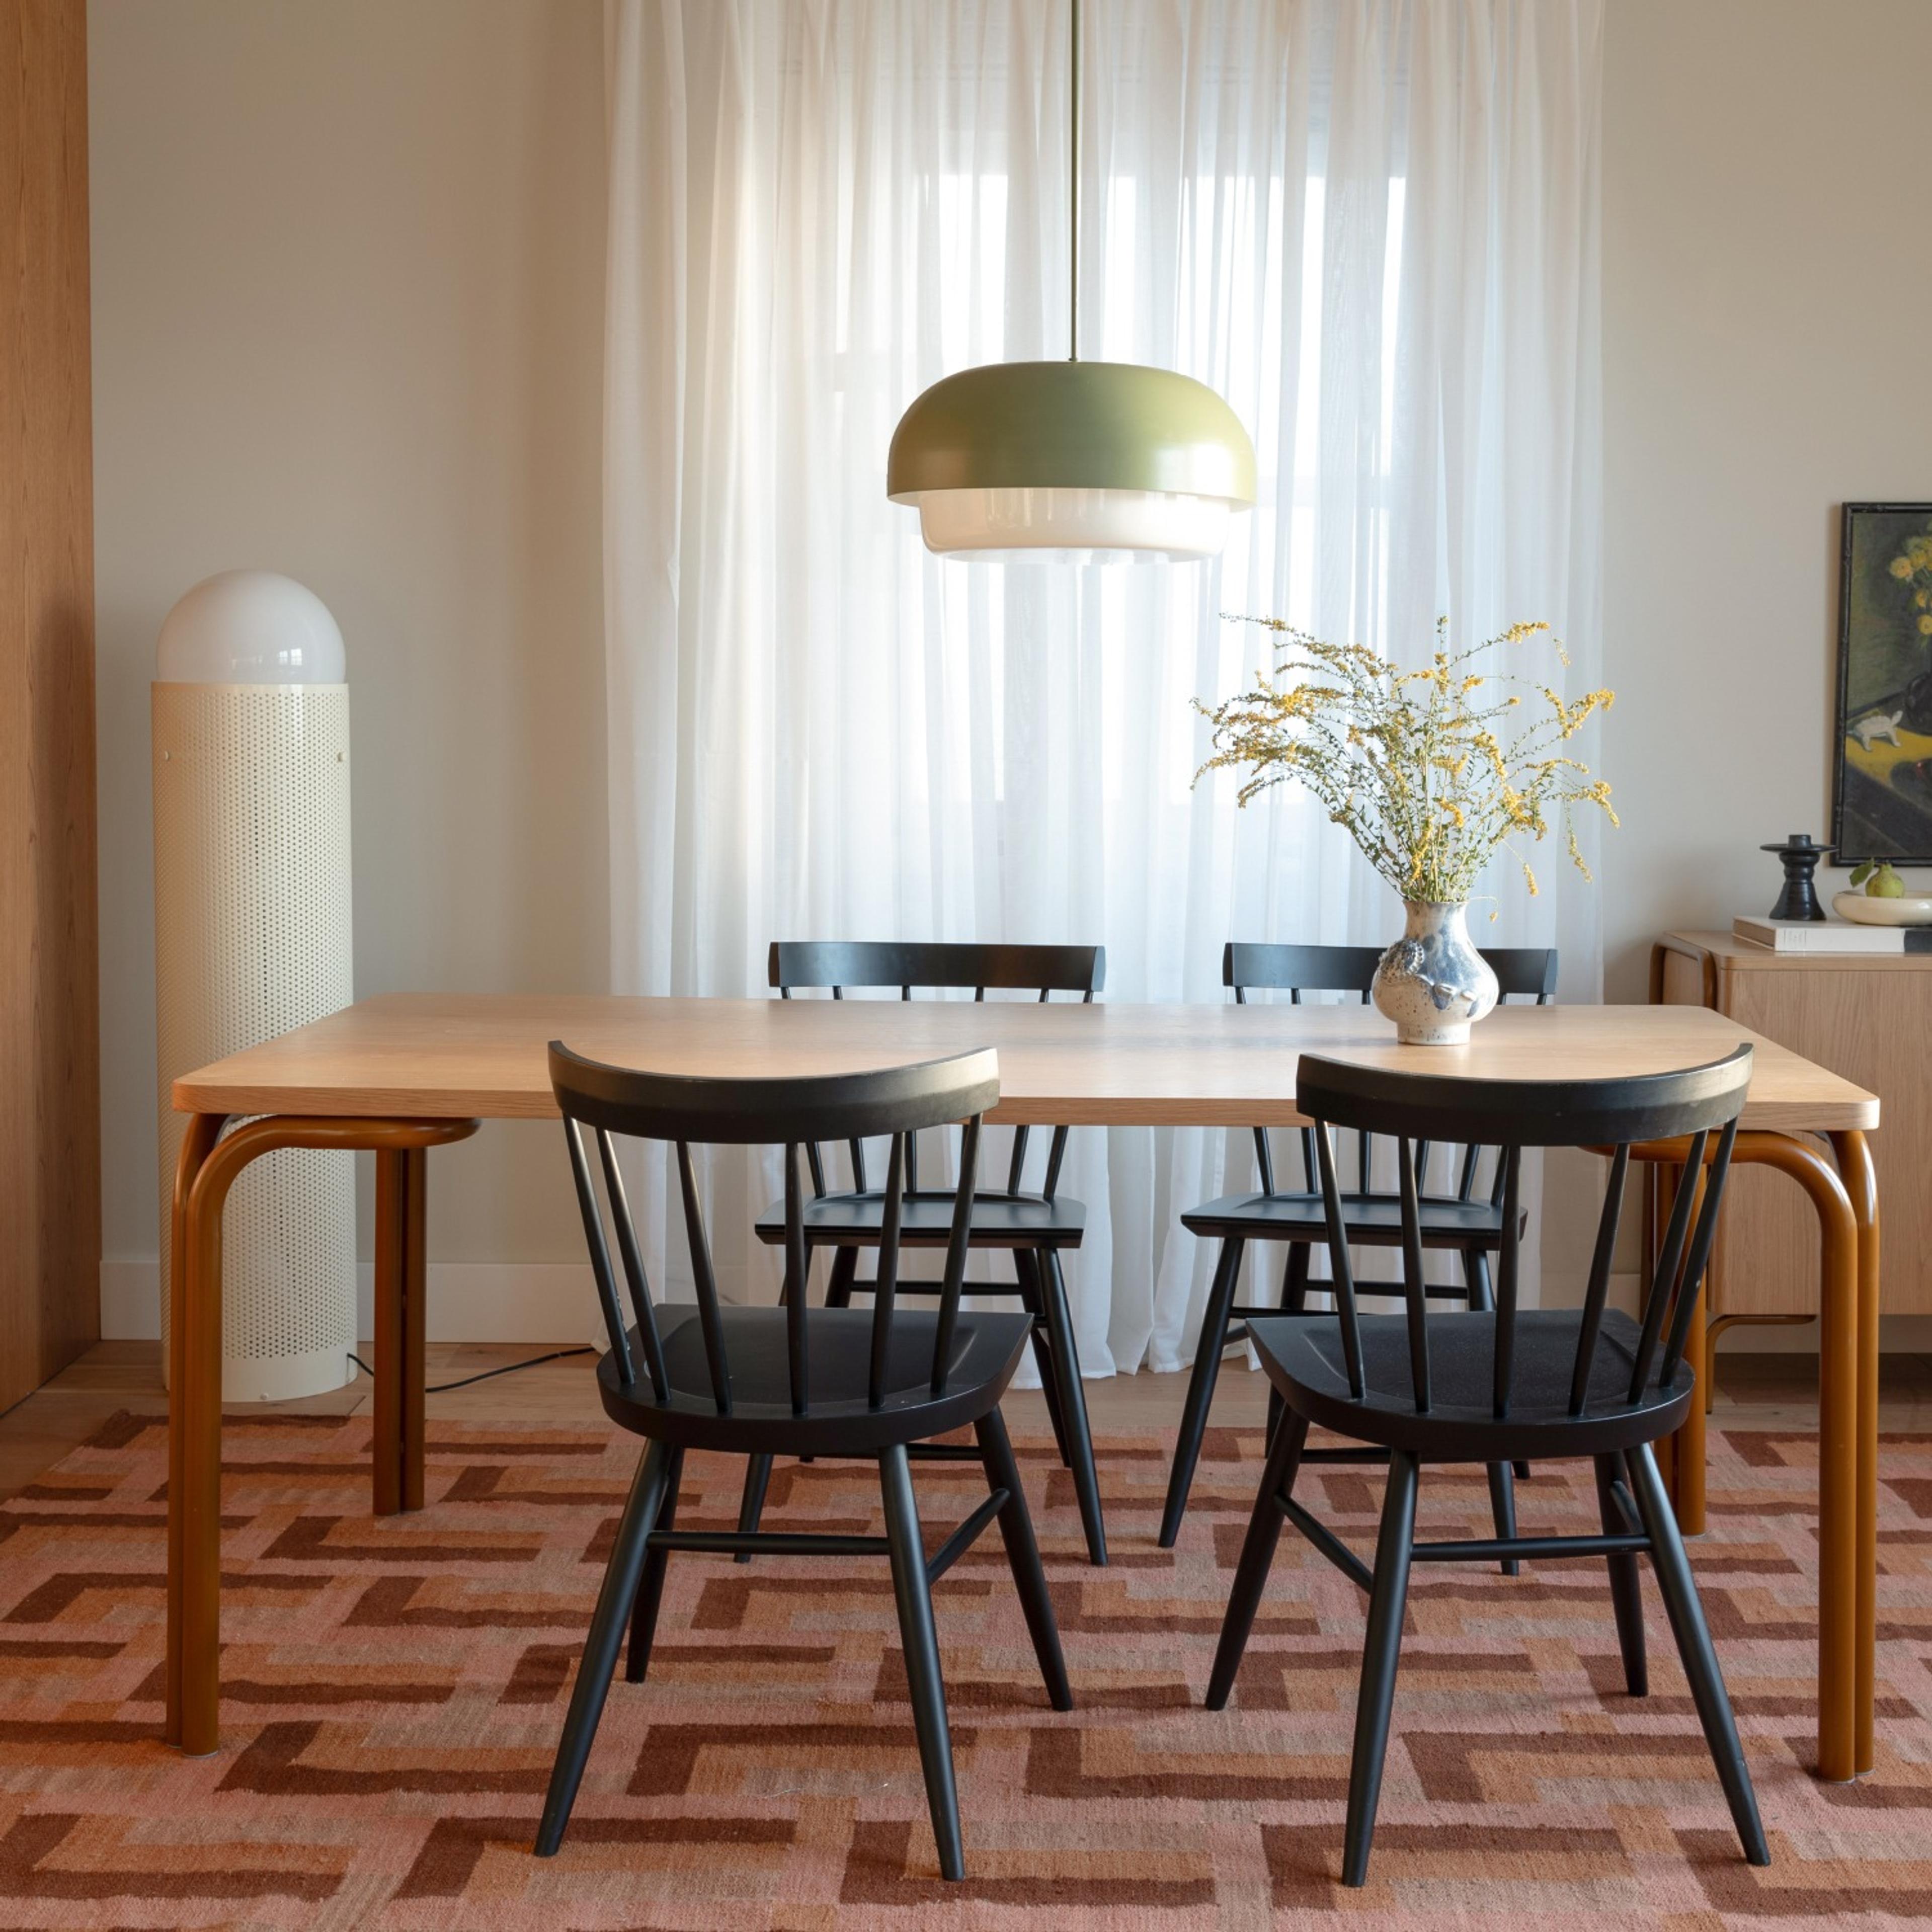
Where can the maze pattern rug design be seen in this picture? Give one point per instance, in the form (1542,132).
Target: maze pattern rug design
(394,1691)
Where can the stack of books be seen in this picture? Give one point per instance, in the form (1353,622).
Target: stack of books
(1831,935)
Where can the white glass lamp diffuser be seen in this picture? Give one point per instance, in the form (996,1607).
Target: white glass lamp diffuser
(252,937)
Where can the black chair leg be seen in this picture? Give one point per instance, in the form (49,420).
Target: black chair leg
(614,1599)
(1380,1655)
(1073,1405)
(1502,1492)
(650,1588)
(1694,1647)
(1294,1279)
(1502,1508)
(1251,1574)
(1027,1271)
(839,1282)
(1626,1584)
(1293,1301)
(921,1640)
(1207,1369)
(1002,1472)
(1476,1274)
(752,1505)
(838,1294)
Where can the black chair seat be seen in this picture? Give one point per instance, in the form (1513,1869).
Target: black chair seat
(851,1220)
(986,1350)
(1375,1220)
(1302,1356)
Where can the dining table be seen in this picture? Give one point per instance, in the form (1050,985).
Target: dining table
(402,1073)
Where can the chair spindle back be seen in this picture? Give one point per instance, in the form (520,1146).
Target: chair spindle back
(1699,1104)
(894,1102)
(839,965)
(1523,972)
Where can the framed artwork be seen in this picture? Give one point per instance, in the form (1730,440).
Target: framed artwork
(1881,766)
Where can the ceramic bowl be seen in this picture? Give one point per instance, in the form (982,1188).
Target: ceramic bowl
(1861,911)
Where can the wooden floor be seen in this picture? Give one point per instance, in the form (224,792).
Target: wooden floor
(1768,1391)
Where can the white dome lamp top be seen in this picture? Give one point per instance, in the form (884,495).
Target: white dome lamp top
(249,627)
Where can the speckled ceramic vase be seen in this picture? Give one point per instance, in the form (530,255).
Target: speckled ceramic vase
(1432,982)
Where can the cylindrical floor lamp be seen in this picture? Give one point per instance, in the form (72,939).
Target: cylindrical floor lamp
(252,910)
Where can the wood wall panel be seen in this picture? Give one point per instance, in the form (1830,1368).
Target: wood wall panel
(49,1072)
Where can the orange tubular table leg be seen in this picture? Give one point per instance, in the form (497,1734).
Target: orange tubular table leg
(203,1131)
(1847,1211)
(1838,1529)
(208,1167)
(401,1198)
(1855,1165)
(1687,1448)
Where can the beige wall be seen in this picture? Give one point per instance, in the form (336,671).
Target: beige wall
(1767,297)
(347,314)
(348,261)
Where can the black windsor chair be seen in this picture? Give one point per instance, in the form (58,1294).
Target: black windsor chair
(1490,1387)
(1033,1228)
(876,1383)
(1463,1221)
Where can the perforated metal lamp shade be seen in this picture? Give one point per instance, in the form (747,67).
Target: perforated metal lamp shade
(1101,459)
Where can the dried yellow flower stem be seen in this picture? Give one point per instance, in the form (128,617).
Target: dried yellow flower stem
(1411,763)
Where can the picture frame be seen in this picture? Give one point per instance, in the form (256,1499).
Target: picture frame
(1881,751)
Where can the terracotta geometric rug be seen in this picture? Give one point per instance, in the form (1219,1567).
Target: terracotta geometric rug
(394,1691)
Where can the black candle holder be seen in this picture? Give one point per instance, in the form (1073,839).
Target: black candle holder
(1799,899)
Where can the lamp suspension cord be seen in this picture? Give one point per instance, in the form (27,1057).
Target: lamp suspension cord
(1073,186)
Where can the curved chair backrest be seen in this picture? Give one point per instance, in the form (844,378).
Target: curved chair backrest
(836,965)
(1523,972)
(935,966)
(1697,1101)
(896,1101)
(1527,972)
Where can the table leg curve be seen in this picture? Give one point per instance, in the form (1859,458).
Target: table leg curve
(197,1143)
(1846,1207)
(1843,1534)
(210,1164)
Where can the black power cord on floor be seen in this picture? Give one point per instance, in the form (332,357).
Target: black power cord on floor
(508,1368)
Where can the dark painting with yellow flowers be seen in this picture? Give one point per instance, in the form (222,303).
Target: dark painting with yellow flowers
(1882,804)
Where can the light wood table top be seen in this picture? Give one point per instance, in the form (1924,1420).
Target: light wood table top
(444,1055)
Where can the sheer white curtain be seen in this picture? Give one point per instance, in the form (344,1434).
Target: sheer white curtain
(1372,226)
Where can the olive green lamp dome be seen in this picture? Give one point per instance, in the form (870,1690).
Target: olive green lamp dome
(1096,460)
(1105,459)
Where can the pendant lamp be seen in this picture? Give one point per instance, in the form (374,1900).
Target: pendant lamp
(1087,461)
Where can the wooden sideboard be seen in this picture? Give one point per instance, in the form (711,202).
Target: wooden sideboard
(1867,1016)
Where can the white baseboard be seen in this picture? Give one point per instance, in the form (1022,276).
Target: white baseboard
(469,1301)
(556,1301)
